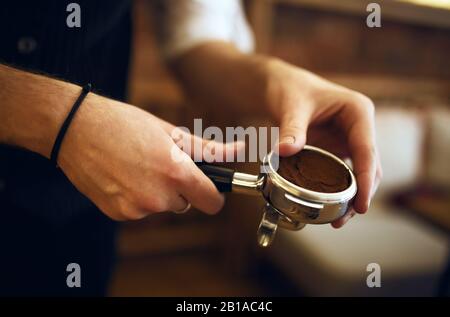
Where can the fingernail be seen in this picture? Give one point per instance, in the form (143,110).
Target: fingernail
(287,140)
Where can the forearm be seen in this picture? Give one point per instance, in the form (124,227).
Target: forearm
(217,74)
(32,109)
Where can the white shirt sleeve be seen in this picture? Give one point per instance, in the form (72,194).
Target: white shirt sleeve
(188,23)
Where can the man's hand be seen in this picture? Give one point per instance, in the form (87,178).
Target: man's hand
(125,160)
(119,156)
(308,108)
(311,109)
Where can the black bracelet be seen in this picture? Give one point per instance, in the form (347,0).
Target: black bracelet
(65,125)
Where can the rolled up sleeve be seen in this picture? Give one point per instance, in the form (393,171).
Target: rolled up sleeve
(184,24)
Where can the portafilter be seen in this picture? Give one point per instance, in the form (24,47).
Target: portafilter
(287,205)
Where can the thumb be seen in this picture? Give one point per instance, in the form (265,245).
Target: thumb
(293,128)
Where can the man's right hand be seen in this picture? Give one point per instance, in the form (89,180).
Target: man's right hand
(121,158)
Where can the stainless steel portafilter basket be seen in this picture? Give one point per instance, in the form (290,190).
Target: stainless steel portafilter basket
(287,205)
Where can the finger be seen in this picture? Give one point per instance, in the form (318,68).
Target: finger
(167,201)
(213,151)
(293,127)
(378,177)
(179,204)
(344,219)
(199,190)
(358,122)
(200,149)
(365,170)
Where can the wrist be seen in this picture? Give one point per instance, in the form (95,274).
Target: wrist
(42,138)
(33,108)
(82,129)
(66,124)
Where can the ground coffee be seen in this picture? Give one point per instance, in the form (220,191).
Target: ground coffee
(315,171)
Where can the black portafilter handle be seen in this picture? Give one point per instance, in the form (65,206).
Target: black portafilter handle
(222,177)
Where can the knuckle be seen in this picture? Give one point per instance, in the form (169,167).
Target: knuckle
(136,215)
(177,174)
(293,129)
(122,206)
(153,204)
(364,102)
(197,182)
(367,150)
(130,209)
(125,209)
